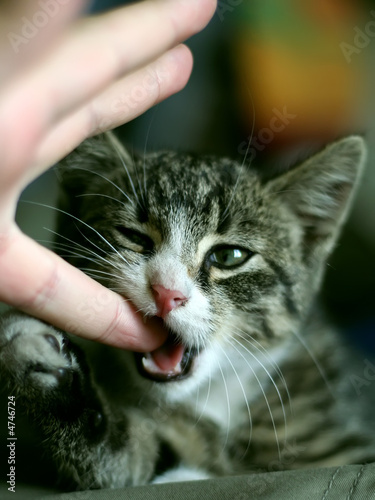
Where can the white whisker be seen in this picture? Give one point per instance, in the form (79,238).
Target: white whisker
(262,389)
(117,148)
(225,214)
(97,271)
(256,345)
(316,362)
(228,406)
(245,398)
(82,222)
(207,396)
(96,256)
(108,180)
(103,196)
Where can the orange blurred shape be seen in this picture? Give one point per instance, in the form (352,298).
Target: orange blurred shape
(301,69)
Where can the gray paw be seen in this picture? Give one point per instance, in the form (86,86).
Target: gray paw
(33,353)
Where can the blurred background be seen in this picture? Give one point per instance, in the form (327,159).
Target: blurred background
(273,81)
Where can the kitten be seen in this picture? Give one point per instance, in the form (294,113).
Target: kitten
(251,377)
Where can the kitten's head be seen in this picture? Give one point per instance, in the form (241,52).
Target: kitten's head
(219,255)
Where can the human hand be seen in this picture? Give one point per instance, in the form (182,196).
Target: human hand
(62,87)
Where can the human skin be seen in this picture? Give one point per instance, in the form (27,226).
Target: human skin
(61,88)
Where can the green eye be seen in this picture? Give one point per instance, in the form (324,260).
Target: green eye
(228,257)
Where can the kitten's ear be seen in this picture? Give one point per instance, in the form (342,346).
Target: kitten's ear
(96,158)
(320,190)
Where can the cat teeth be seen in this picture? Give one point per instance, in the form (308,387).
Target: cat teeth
(150,366)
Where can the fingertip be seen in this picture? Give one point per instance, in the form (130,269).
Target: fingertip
(203,11)
(211,7)
(144,334)
(183,65)
(183,53)
(150,338)
(131,331)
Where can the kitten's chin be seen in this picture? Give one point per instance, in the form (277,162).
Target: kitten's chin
(172,361)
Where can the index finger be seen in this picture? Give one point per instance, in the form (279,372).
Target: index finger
(95,53)
(40,283)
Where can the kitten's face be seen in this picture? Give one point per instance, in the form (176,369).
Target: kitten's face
(203,245)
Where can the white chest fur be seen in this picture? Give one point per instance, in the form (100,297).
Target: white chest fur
(233,380)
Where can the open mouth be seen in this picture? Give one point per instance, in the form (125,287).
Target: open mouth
(171,362)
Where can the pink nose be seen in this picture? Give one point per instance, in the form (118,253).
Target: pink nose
(167,300)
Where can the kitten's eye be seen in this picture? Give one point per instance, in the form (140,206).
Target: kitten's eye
(228,257)
(139,239)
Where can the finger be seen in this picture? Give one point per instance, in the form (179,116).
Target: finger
(38,282)
(123,101)
(97,52)
(31,28)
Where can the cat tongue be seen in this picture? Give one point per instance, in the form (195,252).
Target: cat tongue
(165,360)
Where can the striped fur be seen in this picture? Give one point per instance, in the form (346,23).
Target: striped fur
(267,383)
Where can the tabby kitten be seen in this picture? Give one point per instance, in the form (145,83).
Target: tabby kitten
(251,377)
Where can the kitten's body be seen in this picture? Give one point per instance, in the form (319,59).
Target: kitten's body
(251,377)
